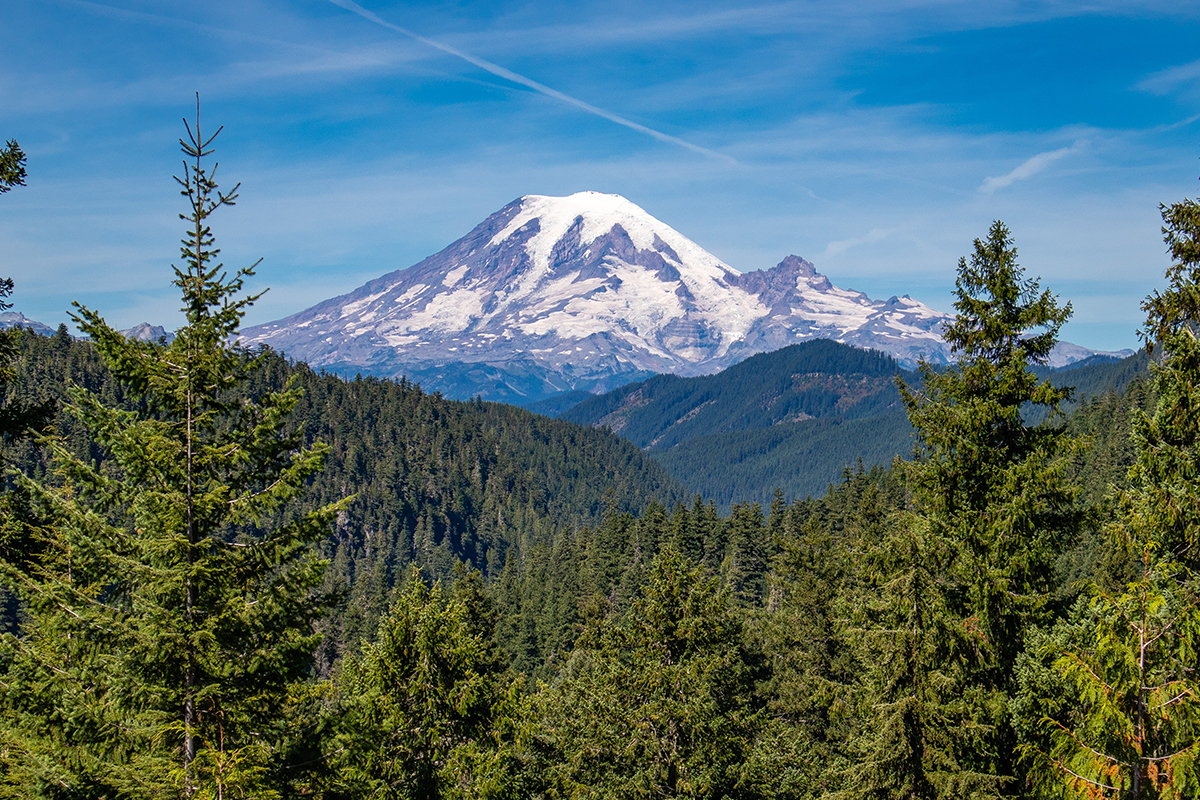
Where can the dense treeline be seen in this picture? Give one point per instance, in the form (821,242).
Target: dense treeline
(434,482)
(1009,613)
(794,418)
(800,458)
(818,378)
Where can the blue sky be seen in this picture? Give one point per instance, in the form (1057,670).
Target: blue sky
(877,141)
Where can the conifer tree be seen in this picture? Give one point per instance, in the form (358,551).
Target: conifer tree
(429,709)
(1164,478)
(990,489)
(12,166)
(658,704)
(173,611)
(812,623)
(920,734)
(16,418)
(1109,700)
(1131,728)
(743,568)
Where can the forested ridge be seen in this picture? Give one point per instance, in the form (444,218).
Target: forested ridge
(433,482)
(793,419)
(818,378)
(232,577)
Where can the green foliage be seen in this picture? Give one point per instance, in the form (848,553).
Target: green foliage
(596,571)
(16,418)
(747,550)
(429,708)
(434,481)
(1105,423)
(1135,729)
(818,378)
(801,458)
(923,739)
(12,166)
(168,618)
(558,404)
(808,635)
(1109,699)
(1091,378)
(658,703)
(991,488)
(19,419)
(1164,484)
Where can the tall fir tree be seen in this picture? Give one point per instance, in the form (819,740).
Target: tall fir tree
(990,491)
(173,611)
(1164,482)
(922,732)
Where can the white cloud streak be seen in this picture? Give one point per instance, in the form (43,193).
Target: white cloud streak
(839,247)
(1171,80)
(541,88)
(1026,170)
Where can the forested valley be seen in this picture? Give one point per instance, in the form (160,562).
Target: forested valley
(230,576)
(794,418)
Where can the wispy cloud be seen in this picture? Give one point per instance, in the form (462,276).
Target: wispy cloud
(115,12)
(1027,169)
(839,247)
(541,88)
(1173,79)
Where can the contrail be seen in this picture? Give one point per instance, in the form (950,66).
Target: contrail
(508,74)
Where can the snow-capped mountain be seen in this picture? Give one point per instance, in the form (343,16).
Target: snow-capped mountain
(584,292)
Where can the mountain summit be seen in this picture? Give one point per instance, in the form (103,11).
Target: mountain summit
(584,292)
(587,291)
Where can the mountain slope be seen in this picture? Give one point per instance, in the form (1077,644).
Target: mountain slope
(792,419)
(435,481)
(15,319)
(801,458)
(588,292)
(820,378)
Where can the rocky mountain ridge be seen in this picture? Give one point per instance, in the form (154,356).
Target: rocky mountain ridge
(551,294)
(15,319)
(143,331)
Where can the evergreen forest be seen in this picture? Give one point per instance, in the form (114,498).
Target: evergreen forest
(228,576)
(792,419)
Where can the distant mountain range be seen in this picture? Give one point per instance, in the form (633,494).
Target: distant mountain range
(15,319)
(143,331)
(146,332)
(587,292)
(553,295)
